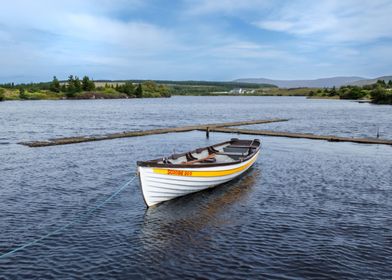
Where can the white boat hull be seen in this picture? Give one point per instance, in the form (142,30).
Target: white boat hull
(162,184)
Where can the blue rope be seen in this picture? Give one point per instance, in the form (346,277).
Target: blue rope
(9,253)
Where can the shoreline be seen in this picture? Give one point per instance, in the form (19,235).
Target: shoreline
(369,101)
(105,96)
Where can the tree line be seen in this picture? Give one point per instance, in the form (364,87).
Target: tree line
(379,92)
(72,86)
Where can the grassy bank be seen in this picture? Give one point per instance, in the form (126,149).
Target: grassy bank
(81,89)
(15,94)
(285,91)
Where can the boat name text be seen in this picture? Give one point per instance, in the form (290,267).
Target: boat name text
(179,172)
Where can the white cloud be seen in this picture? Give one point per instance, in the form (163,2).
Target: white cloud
(197,7)
(249,50)
(336,21)
(275,25)
(132,34)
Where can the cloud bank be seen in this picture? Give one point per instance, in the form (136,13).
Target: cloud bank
(189,39)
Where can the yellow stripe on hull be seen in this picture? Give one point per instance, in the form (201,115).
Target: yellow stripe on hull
(196,173)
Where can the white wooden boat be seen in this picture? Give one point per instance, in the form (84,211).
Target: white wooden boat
(181,174)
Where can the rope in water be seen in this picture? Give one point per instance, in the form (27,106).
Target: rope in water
(99,205)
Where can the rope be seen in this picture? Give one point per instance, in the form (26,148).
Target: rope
(99,205)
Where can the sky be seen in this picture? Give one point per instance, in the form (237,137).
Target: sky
(194,39)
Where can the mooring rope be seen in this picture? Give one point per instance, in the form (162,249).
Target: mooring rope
(74,221)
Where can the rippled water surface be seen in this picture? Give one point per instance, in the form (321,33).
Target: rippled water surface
(307,209)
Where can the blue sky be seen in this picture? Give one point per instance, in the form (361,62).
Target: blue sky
(196,40)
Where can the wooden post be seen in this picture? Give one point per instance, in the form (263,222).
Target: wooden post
(207,132)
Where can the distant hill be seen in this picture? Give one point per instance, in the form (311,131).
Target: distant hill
(318,83)
(371,81)
(229,84)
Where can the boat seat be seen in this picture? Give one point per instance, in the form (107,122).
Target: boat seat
(239,149)
(233,155)
(235,150)
(241,146)
(209,158)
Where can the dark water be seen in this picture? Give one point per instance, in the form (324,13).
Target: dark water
(44,119)
(308,209)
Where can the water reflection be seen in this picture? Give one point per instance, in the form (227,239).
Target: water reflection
(190,216)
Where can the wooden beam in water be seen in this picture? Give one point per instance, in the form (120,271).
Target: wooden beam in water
(302,135)
(81,139)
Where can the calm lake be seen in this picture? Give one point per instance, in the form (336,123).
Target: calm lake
(307,209)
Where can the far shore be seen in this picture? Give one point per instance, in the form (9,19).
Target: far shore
(87,89)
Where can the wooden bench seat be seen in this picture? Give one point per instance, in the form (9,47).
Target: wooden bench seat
(200,160)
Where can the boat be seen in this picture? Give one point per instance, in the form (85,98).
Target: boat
(170,177)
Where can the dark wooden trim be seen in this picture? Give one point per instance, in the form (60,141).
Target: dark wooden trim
(155,162)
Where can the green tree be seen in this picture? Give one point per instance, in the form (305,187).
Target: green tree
(87,84)
(55,85)
(380,95)
(92,85)
(2,94)
(139,91)
(22,94)
(390,83)
(164,91)
(351,92)
(127,88)
(333,91)
(77,84)
(70,86)
(368,87)
(381,83)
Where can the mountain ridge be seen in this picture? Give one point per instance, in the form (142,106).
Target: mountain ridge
(371,81)
(337,81)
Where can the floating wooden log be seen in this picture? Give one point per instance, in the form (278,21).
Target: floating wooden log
(81,139)
(302,135)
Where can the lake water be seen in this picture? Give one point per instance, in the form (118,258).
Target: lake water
(307,209)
